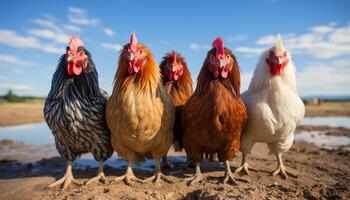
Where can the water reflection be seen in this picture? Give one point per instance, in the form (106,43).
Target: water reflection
(322,140)
(36,134)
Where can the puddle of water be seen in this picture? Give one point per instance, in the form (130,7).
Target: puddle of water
(322,140)
(36,133)
(328,121)
(117,162)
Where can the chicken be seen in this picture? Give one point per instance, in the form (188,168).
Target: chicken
(178,83)
(75,111)
(215,114)
(139,112)
(274,107)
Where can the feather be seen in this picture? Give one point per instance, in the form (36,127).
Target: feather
(68,107)
(274,107)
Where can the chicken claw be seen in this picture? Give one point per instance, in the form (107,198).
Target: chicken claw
(100,175)
(67,179)
(128,177)
(229,175)
(196,178)
(282,170)
(245,167)
(158,175)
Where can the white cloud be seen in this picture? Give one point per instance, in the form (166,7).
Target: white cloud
(58,37)
(116,47)
(233,38)
(325,78)
(10,59)
(197,47)
(108,32)
(47,24)
(250,50)
(72,28)
(322,42)
(15,86)
(11,38)
(79,16)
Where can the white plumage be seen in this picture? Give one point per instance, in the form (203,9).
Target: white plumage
(274,109)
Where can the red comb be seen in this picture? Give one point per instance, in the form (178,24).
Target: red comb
(133,42)
(173,55)
(74,43)
(219,46)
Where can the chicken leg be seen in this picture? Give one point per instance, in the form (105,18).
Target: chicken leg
(245,166)
(158,175)
(100,175)
(165,163)
(67,179)
(128,176)
(197,177)
(281,168)
(229,175)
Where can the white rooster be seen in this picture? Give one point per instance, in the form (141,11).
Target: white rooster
(274,107)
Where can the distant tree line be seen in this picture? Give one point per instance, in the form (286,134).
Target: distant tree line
(10,96)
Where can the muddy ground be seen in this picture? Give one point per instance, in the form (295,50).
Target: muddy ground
(321,173)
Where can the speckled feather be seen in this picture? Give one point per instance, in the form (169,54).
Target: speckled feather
(75,112)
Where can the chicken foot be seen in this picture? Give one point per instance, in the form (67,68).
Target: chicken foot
(245,166)
(67,179)
(230,177)
(128,176)
(158,175)
(197,177)
(100,175)
(282,170)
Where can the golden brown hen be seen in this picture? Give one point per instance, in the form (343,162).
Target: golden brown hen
(140,113)
(215,114)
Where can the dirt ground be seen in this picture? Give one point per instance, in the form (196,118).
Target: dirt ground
(328,109)
(21,113)
(322,174)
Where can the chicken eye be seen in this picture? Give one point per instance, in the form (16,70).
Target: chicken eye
(211,57)
(227,56)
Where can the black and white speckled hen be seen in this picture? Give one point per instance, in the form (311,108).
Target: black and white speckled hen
(75,111)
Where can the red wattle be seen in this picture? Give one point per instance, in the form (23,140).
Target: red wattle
(69,68)
(170,76)
(74,68)
(77,70)
(176,76)
(224,73)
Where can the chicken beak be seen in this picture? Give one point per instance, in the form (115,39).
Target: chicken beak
(279,60)
(221,63)
(173,69)
(70,58)
(131,56)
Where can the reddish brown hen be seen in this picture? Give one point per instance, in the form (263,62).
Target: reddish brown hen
(215,114)
(178,83)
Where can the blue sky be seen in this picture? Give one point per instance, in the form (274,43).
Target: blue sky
(34,34)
